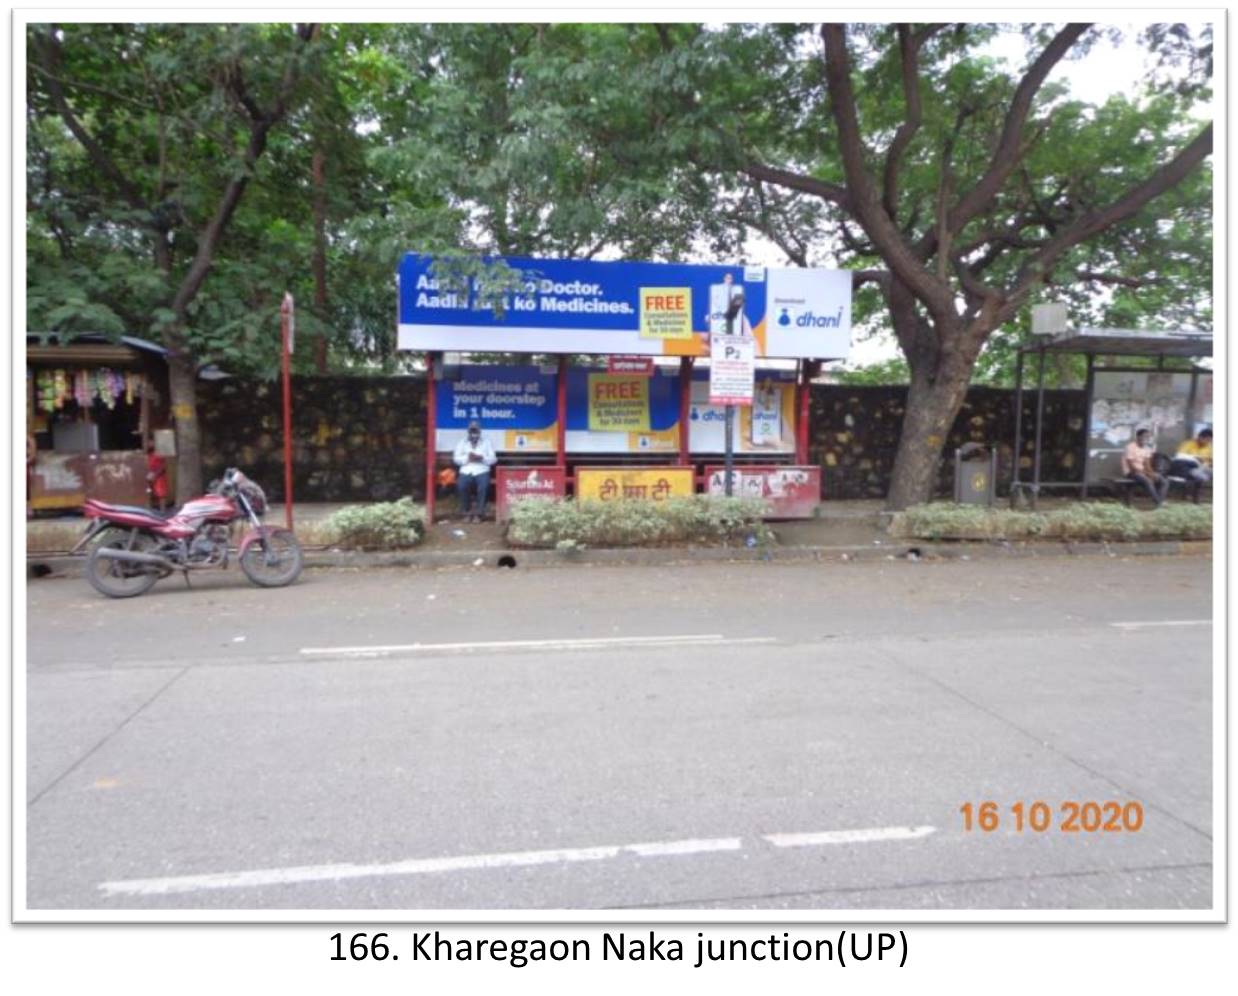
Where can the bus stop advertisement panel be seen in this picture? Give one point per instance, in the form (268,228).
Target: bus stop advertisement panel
(617,308)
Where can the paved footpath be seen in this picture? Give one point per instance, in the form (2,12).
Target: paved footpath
(711,735)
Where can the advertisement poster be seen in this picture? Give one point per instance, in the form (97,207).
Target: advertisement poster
(517,409)
(629,308)
(618,403)
(1124,401)
(513,484)
(619,483)
(790,492)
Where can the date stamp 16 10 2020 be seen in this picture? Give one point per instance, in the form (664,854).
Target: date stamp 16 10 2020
(1070,816)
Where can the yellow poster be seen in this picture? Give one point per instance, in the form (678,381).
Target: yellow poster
(618,403)
(649,483)
(666,312)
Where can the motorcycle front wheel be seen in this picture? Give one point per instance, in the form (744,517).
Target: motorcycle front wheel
(115,578)
(273,561)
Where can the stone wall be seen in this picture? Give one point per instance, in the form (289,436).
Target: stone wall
(361,439)
(354,438)
(855,433)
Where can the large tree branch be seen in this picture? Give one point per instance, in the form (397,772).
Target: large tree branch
(1006,155)
(867,208)
(797,181)
(98,155)
(260,127)
(1168,176)
(909,52)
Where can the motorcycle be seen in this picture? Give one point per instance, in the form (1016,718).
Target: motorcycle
(136,546)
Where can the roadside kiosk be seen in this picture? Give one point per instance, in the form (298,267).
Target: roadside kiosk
(640,423)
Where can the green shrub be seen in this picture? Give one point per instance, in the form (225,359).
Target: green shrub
(1084,521)
(569,525)
(382,526)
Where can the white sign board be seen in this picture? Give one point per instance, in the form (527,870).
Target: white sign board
(732,369)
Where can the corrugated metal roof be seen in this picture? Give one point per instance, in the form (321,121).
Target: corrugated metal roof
(1129,342)
(68,338)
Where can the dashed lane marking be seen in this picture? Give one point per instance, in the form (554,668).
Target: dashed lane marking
(1149,623)
(478,862)
(705,639)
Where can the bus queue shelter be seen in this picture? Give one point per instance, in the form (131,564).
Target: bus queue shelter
(664,314)
(1108,351)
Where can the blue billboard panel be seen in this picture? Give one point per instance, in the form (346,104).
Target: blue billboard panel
(660,309)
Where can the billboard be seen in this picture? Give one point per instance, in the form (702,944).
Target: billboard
(609,412)
(643,309)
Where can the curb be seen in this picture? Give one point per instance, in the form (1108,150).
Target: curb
(62,564)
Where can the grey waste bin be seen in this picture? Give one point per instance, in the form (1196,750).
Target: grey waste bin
(975,474)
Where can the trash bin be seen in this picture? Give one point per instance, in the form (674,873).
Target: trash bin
(975,474)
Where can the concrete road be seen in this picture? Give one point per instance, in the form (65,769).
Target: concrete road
(730,736)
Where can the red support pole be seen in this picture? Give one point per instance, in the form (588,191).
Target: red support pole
(431,431)
(801,424)
(685,410)
(561,417)
(285,330)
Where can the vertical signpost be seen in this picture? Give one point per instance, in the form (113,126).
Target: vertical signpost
(732,373)
(287,330)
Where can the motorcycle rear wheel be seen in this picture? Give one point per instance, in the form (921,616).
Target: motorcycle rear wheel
(115,578)
(273,561)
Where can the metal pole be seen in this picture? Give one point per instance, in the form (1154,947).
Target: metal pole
(285,329)
(561,417)
(801,425)
(431,432)
(1040,418)
(729,460)
(685,412)
(1018,427)
(1087,422)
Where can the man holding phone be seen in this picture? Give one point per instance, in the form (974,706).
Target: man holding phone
(474,456)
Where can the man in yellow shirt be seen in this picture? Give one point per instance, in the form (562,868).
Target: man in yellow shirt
(1193,461)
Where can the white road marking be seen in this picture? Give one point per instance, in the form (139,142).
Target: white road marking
(475,862)
(847,836)
(563,644)
(1144,624)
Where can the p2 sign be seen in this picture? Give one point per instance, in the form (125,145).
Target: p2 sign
(732,369)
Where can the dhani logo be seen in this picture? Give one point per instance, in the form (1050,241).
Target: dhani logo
(808,319)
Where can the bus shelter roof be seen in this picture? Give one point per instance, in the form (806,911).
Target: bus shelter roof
(1128,342)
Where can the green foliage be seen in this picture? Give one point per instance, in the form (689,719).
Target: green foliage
(1094,521)
(569,525)
(388,525)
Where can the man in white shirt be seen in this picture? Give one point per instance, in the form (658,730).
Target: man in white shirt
(474,456)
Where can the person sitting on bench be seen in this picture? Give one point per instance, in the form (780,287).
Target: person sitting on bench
(1137,467)
(474,456)
(1193,463)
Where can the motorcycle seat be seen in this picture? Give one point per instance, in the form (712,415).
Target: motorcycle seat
(150,513)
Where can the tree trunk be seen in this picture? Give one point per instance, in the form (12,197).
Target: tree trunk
(183,387)
(933,402)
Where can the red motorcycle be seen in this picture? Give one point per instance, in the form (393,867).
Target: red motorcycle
(137,546)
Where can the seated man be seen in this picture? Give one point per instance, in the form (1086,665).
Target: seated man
(1137,466)
(1193,461)
(474,456)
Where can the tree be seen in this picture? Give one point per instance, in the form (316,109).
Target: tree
(146,140)
(974,190)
